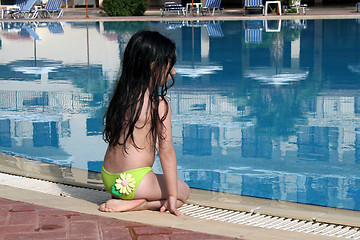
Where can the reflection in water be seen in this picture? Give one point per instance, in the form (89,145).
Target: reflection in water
(261,108)
(192,71)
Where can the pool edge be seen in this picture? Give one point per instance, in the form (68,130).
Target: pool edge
(82,178)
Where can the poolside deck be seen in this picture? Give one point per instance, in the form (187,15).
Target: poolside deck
(312,12)
(29,214)
(65,206)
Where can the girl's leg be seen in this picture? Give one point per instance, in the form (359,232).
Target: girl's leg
(150,195)
(153,188)
(118,205)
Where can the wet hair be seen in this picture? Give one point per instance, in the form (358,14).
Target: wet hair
(146,65)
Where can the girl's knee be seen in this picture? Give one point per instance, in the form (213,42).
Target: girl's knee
(184,191)
(187,191)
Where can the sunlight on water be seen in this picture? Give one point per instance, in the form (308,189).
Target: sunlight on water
(268,109)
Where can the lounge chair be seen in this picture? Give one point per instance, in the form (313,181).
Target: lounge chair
(20,3)
(254,31)
(214,29)
(254,4)
(174,24)
(297,23)
(7,9)
(32,33)
(211,6)
(55,28)
(196,23)
(193,7)
(172,7)
(52,9)
(27,11)
(295,4)
(269,25)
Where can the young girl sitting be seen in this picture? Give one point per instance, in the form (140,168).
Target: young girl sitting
(138,127)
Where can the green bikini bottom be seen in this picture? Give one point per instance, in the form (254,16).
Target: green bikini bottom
(124,185)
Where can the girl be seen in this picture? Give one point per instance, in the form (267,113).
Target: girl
(138,127)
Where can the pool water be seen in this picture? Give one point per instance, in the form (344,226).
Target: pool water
(269,109)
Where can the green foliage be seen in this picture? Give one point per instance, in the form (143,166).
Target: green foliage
(124,7)
(293,10)
(286,2)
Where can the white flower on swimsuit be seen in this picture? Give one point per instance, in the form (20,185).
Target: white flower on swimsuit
(125,183)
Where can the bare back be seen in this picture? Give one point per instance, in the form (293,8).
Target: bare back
(116,160)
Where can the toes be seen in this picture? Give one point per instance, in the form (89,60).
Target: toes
(103,207)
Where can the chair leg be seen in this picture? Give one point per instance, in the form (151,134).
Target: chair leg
(54,14)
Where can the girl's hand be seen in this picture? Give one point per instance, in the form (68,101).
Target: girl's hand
(170,205)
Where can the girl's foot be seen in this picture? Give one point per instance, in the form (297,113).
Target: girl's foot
(118,205)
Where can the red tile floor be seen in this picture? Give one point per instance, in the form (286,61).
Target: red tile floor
(19,220)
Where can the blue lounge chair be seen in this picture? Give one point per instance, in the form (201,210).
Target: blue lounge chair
(32,33)
(172,7)
(20,3)
(8,9)
(214,29)
(55,28)
(254,4)
(211,6)
(52,9)
(254,31)
(27,11)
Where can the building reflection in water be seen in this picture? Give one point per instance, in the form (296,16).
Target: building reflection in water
(259,108)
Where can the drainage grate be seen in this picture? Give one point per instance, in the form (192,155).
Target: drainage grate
(209,213)
(272,222)
(52,188)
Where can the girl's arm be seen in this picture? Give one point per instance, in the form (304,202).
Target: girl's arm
(168,160)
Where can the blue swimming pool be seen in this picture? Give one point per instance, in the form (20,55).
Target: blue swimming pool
(269,109)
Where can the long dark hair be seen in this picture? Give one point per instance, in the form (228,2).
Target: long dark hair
(147,62)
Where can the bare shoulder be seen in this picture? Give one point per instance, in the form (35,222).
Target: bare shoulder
(164,107)
(164,101)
